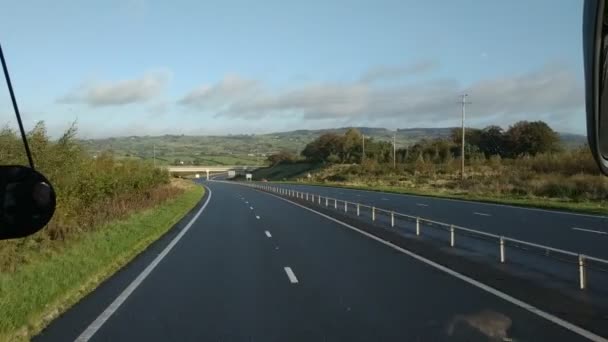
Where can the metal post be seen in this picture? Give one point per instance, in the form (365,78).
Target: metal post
(452,236)
(502,250)
(418,226)
(319,199)
(363,148)
(307,196)
(345,207)
(373,213)
(395,151)
(581,272)
(326,201)
(357,209)
(464,102)
(392,219)
(335,203)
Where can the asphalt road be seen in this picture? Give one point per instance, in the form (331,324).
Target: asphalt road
(580,233)
(253,267)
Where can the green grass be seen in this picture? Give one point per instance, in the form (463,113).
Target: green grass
(544,203)
(38,292)
(285,171)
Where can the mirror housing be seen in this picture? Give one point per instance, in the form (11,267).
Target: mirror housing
(595,50)
(27,201)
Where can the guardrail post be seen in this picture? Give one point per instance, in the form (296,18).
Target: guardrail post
(581,272)
(373,213)
(452,236)
(357,209)
(312,198)
(335,203)
(326,201)
(319,199)
(418,226)
(502,250)
(392,219)
(307,196)
(345,207)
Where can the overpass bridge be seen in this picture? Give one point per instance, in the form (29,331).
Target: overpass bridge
(212,169)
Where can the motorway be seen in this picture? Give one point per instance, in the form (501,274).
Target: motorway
(254,267)
(580,233)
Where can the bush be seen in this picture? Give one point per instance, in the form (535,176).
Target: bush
(90,190)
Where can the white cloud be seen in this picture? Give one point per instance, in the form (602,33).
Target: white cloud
(552,92)
(116,93)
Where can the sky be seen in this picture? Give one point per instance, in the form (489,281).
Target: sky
(143,67)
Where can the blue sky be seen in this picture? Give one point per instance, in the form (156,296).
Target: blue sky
(199,67)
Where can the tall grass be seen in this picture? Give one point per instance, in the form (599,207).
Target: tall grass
(568,176)
(91,190)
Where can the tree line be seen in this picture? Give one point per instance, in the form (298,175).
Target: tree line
(520,139)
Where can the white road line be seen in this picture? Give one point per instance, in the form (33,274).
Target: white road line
(268,234)
(590,230)
(246,202)
(257,217)
(251,208)
(554,319)
(291,275)
(481,214)
(107,313)
(385,199)
(422,205)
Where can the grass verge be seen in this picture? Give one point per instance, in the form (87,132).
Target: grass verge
(543,203)
(38,292)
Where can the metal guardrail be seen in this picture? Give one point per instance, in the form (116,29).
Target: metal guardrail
(582,262)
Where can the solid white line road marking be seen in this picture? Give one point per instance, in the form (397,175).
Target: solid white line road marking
(103,317)
(257,217)
(549,317)
(590,230)
(422,205)
(481,214)
(291,275)
(268,234)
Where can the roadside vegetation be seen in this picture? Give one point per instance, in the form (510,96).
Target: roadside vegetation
(524,165)
(107,212)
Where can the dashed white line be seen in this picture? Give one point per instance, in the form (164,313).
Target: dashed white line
(257,217)
(385,199)
(422,205)
(291,275)
(590,230)
(268,234)
(251,208)
(481,214)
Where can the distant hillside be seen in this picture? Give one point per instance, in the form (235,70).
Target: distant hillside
(252,148)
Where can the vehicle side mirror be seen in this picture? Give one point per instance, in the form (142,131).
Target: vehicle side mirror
(27,201)
(595,50)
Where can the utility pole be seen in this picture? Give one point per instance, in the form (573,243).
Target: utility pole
(464,103)
(363,152)
(394,151)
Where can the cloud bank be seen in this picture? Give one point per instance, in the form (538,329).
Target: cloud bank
(117,93)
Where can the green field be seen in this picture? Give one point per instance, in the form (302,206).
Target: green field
(251,149)
(39,291)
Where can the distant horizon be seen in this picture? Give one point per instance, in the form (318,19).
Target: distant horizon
(295,130)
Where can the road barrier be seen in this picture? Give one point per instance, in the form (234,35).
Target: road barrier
(584,263)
